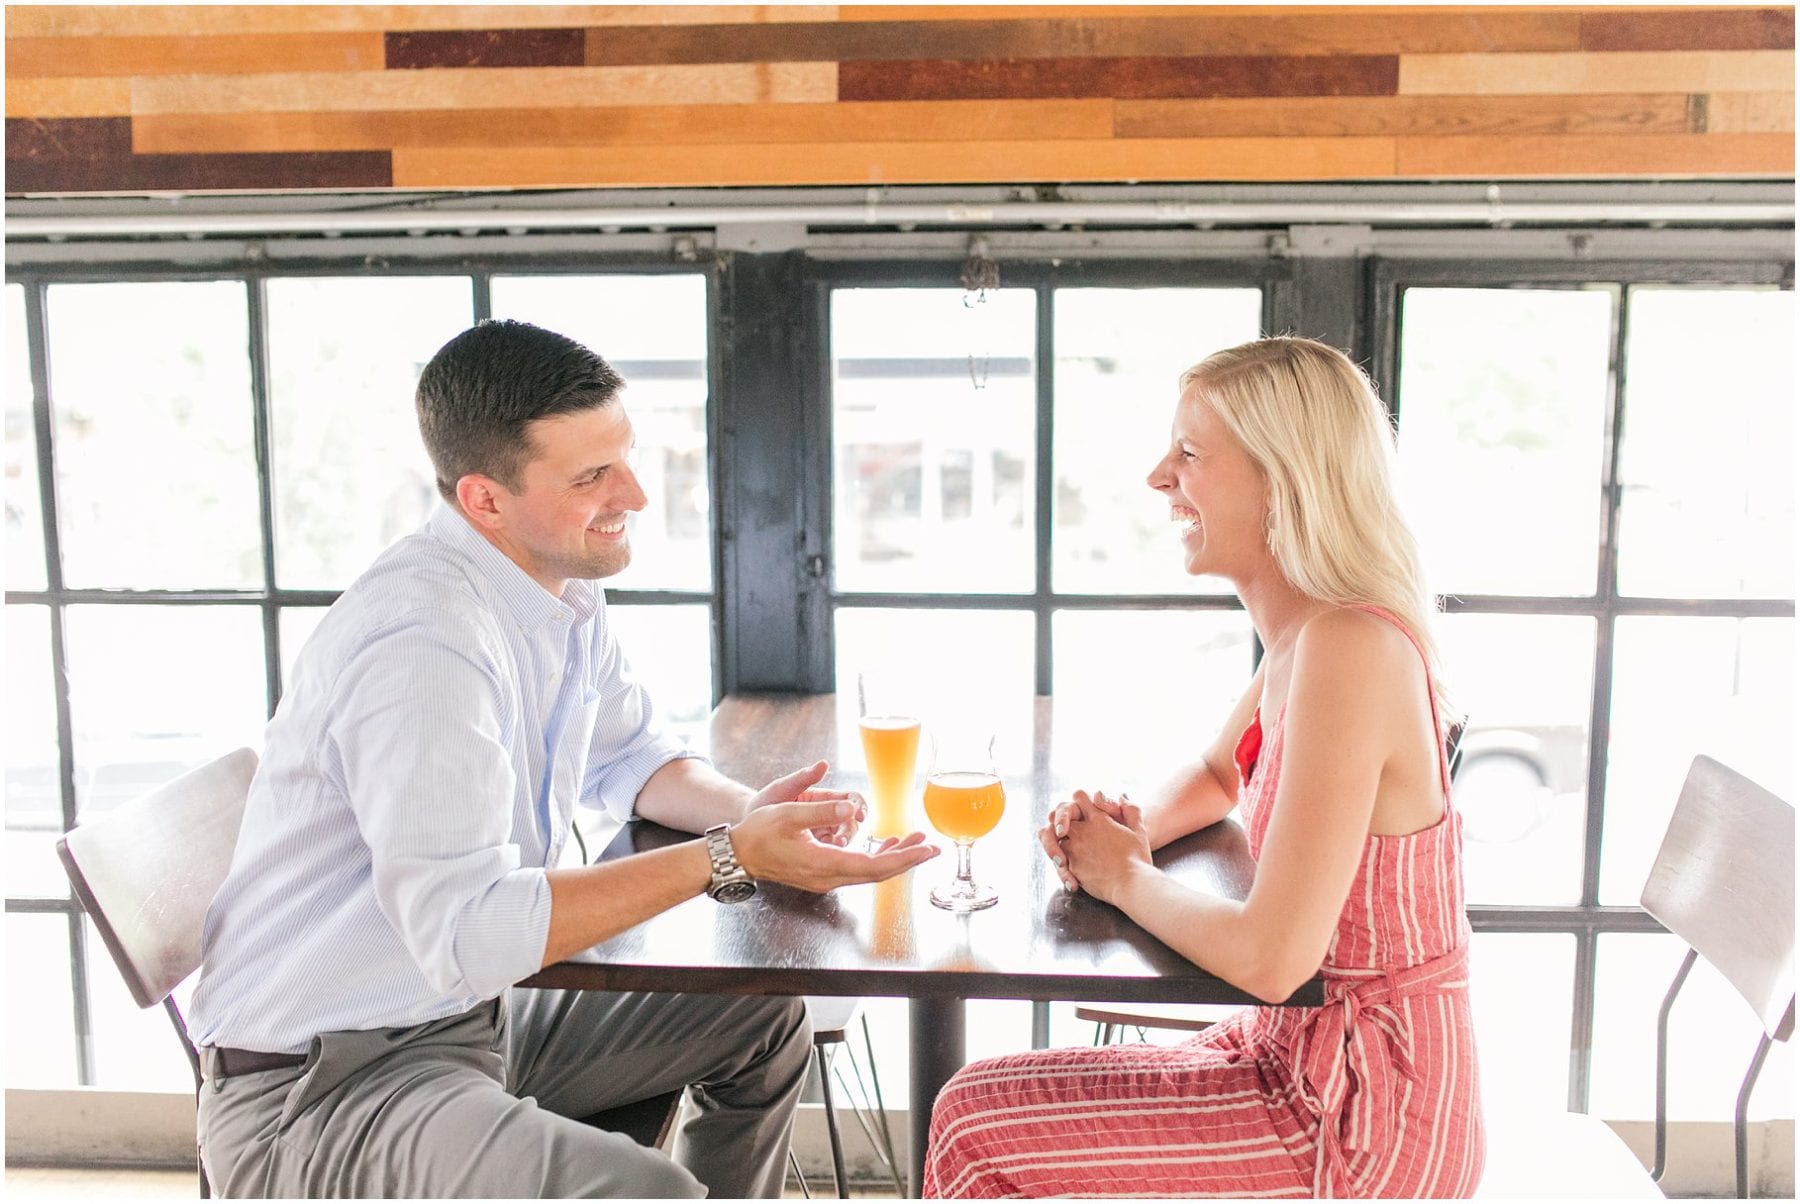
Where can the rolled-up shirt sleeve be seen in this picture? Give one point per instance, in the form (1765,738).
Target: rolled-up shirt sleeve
(629,743)
(420,738)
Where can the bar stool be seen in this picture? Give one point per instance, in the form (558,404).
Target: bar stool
(831,1017)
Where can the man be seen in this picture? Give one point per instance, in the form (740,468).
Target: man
(359,1030)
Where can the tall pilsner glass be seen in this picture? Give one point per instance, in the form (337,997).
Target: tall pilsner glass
(964,799)
(890,740)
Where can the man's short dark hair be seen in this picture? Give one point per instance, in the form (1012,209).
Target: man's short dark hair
(484,387)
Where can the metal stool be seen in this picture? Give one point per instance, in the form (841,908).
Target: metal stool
(831,1018)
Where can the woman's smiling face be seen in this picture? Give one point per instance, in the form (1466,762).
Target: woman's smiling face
(1217,495)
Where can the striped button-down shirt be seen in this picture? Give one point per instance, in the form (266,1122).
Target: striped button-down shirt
(420,773)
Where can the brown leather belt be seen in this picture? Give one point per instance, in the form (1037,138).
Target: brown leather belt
(226,1063)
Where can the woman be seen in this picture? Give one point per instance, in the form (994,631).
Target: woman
(1279,474)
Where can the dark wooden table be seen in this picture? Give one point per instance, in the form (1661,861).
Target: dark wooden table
(886,939)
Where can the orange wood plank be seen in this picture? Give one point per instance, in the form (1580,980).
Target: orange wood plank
(486,88)
(1373,116)
(231,54)
(622,125)
(1750,113)
(1624,71)
(899,163)
(990,12)
(68,97)
(84,20)
(1651,154)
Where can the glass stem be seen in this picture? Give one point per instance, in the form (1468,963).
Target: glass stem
(962,864)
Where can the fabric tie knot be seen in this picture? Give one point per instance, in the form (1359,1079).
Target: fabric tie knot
(1352,1055)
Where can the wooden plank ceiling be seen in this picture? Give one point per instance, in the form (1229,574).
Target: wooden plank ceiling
(250,97)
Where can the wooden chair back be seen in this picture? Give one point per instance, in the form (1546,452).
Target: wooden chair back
(147,872)
(1724,883)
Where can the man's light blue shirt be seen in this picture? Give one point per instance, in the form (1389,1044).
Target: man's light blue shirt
(419,775)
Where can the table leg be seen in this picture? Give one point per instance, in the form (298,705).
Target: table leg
(938,1051)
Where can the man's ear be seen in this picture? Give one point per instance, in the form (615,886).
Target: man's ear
(480,498)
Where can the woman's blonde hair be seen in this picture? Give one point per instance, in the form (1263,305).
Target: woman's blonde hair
(1310,420)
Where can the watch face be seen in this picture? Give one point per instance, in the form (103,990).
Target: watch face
(734,892)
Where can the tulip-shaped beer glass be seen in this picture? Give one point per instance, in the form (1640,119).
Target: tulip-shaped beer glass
(964,799)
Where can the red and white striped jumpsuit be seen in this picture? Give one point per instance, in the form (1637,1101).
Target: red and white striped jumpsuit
(1372,1095)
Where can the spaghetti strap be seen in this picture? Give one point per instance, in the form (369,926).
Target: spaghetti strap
(1437,726)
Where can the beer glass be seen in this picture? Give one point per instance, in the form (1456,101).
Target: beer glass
(964,799)
(890,740)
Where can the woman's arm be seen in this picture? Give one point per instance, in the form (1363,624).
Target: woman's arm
(1203,792)
(1336,746)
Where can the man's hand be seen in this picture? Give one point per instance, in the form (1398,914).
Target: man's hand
(779,842)
(798,787)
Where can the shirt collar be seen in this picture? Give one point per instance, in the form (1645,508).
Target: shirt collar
(530,603)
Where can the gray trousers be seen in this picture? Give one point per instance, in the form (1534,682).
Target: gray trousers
(481,1104)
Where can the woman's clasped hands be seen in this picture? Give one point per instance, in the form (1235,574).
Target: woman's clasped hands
(1097,843)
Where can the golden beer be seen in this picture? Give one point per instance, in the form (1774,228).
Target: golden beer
(964,806)
(891,750)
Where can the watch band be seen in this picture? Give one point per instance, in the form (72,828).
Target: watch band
(731,883)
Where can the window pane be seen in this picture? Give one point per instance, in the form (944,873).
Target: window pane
(1119,356)
(156,475)
(1522,991)
(669,649)
(653,331)
(24,515)
(157,690)
(40,1003)
(1723,687)
(135,1049)
(1148,690)
(1525,683)
(351,475)
(1707,455)
(961,668)
(933,438)
(1712,1033)
(33,797)
(1498,387)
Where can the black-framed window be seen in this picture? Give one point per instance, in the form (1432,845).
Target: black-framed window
(1588,632)
(197,464)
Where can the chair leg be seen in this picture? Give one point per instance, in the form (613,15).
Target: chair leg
(887,1136)
(1740,1129)
(831,1125)
(794,1161)
(1662,1068)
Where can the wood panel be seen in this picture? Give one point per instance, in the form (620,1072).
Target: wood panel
(921,162)
(192,55)
(68,97)
(1123,78)
(942,121)
(59,20)
(1757,29)
(1750,113)
(1655,154)
(486,88)
(1336,34)
(1307,116)
(1577,74)
(198,97)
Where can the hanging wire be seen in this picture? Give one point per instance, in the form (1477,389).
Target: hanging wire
(980,277)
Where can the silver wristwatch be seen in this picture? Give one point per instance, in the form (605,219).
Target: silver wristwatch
(730,883)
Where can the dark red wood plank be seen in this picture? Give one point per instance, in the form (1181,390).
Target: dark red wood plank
(487,48)
(1121,78)
(1740,29)
(30,138)
(93,154)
